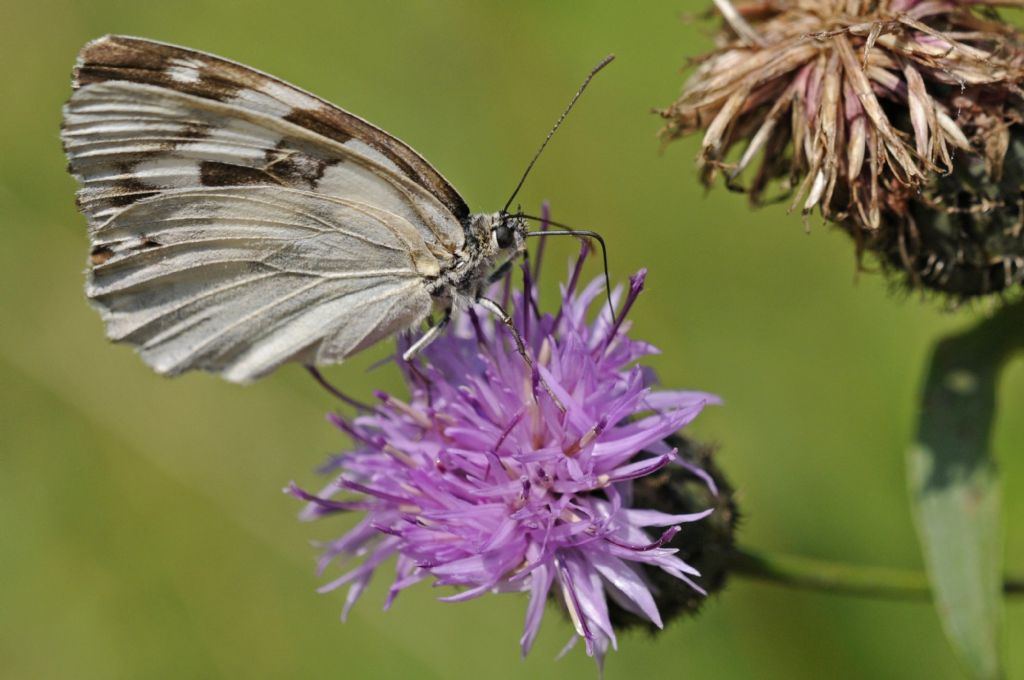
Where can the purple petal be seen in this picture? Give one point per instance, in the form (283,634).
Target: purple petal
(653,518)
(674,399)
(572,604)
(354,591)
(540,584)
(383,552)
(640,468)
(665,537)
(628,582)
(468,594)
(589,595)
(324,503)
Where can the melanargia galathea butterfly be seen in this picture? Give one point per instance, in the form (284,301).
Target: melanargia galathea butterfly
(238,222)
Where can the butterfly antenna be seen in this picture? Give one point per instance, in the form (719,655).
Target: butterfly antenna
(586,81)
(579,233)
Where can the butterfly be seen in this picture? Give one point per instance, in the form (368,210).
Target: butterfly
(238,222)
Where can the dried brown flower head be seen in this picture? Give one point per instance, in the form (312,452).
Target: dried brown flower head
(893,117)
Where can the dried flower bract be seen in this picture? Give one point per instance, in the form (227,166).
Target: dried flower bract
(859,108)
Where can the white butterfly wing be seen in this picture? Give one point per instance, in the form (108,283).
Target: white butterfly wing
(238,280)
(238,222)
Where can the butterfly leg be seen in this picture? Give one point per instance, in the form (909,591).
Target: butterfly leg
(499,272)
(495,309)
(432,334)
(319,377)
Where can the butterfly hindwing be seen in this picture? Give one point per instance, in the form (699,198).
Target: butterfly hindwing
(238,280)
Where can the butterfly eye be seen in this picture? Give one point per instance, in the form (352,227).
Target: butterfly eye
(504,236)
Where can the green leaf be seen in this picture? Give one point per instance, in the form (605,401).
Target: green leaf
(954,487)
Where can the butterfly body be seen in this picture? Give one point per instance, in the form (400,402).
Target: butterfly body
(238,222)
(489,236)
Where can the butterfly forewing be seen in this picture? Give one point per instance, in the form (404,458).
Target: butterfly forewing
(238,222)
(180,70)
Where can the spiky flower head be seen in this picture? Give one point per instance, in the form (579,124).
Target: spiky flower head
(861,108)
(495,476)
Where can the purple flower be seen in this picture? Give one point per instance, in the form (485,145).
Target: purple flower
(483,481)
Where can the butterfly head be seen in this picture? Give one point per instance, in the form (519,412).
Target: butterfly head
(509,233)
(501,233)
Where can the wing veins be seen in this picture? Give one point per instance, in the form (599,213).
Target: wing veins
(192,193)
(160,337)
(262,310)
(251,315)
(226,220)
(394,294)
(154,139)
(411,189)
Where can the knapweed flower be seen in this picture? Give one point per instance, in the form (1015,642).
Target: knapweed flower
(862,108)
(497,475)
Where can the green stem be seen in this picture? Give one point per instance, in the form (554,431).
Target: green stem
(838,577)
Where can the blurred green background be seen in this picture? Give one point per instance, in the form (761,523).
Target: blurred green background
(143,533)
